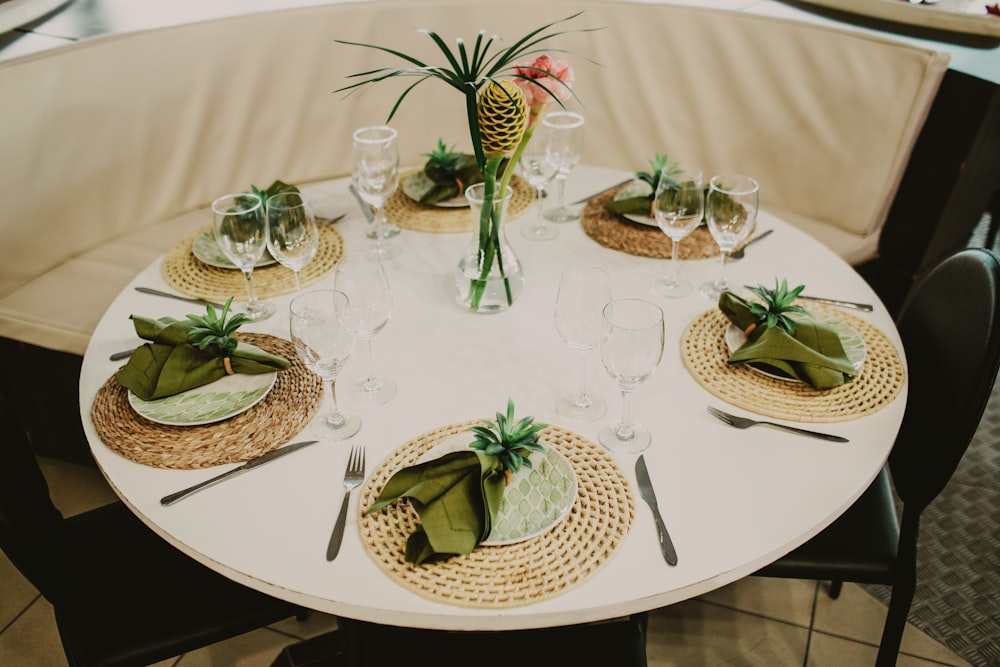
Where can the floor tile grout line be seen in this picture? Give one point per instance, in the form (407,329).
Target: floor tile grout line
(753,613)
(18,615)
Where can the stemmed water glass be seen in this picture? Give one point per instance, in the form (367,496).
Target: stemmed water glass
(240,228)
(362,278)
(631,351)
(292,233)
(539,166)
(679,205)
(583,293)
(566,148)
(731,213)
(375,177)
(324,345)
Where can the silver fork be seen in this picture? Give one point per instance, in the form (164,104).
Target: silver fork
(353,476)
(743,422)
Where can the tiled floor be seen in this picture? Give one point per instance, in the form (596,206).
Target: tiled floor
(766,622)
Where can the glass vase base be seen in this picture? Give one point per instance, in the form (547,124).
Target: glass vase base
(493,295)
(324,429)
(637,441)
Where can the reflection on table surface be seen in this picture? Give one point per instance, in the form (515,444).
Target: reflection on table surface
(733,500)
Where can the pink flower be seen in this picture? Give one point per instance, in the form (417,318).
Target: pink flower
(555,75)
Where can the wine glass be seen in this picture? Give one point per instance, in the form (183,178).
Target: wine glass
(362,278)
(566,147)
(324,345)
(631,351)
(679,205)
(376,176)
(292,233)
(731,213)
(539,166)
(240,228)
(583,293)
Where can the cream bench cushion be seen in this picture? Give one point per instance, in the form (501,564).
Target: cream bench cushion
(107,142)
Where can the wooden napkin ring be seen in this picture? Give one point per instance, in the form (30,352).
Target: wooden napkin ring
(228,365)
(749,329)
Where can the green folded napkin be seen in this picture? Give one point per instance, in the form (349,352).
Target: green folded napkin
(169,364)
(456,496)
(814,354)
(451,181)
(636,198)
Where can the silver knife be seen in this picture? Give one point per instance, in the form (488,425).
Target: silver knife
(866,307)
(598,194)
(156,292)
(249,465)
(647,493)
(365,208)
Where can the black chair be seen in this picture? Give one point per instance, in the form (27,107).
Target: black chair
(121,594)
(950,328)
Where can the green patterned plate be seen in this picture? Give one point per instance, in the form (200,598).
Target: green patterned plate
(222,399)
(208,251)
(854,345)
(535,500)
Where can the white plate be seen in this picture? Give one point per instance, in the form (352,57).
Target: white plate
(222,399)
(854,345)
(641,219)
(536,499)
(208,251)
(417,184)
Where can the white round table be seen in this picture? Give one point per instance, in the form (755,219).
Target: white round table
(733,500)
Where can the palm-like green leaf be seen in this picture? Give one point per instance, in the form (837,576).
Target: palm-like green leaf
(512,442)
(777,304)
(464,72)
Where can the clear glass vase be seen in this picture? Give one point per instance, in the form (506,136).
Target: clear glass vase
(489,276)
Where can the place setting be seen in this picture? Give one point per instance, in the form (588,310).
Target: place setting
(522,511)
(297,249)
(432,198)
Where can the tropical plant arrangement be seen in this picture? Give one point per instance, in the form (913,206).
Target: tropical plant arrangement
(457,496)
(506,96)
(638,197)
(776,307)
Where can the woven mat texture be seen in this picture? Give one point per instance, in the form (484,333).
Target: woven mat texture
(618,233)
(279,416)
(409,214)
(189,275)
(704,352)
(498,577)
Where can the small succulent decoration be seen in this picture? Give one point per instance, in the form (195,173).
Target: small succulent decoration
(660,164)
(777,305)
(211,329)
(510,441)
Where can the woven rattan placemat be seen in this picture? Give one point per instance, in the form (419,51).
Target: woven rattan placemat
(189,275)
(409,214)
(497,577)
(285,411)
(619,233)
(704,350)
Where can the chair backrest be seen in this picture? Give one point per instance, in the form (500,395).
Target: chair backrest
(950,327)
(31,528)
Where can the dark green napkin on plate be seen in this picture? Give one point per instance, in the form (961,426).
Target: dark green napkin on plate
(169,364)
(452,180)
(456,496)
(814,354)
